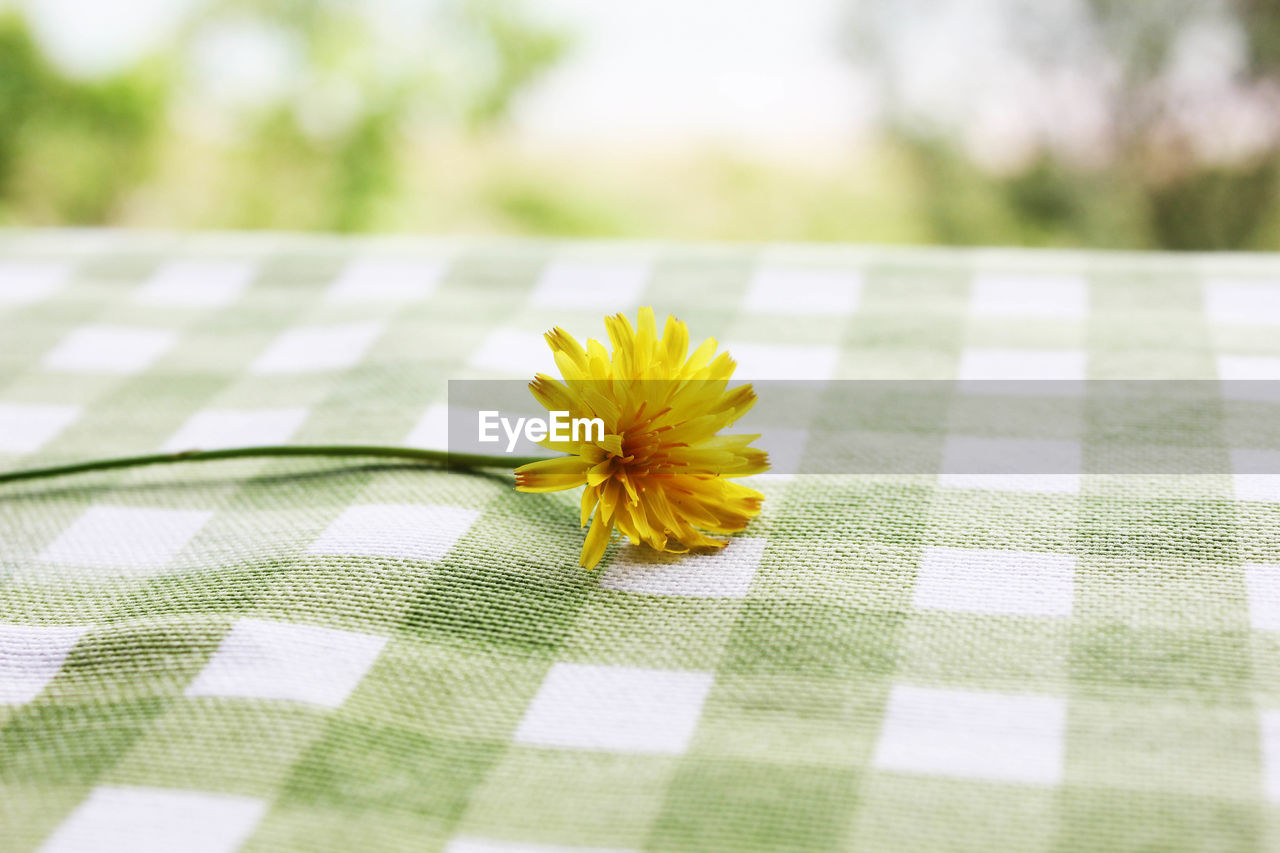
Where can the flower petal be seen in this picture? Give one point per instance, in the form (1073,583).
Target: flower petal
(596,542)
(661,475)
(552,475)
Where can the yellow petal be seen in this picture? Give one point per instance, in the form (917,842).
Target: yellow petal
(675,344)
(596,543)
(552,475)
(598,474)
(700,356)
(612,443)
(590,497)
(663,475)
(646,341)
(561,341)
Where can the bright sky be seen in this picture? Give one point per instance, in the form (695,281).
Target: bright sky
(768,73)
(93,36)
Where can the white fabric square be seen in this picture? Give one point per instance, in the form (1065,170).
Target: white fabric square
(395,531)
(1008,737)
(1045,484)
(515,353)
(277,660)
(800,290)
(726,573)
(1248,367)
(431,432)
(1244,301)
(30,657)
(785,448)
(1011,464)
(27,427)
(199,284)
(1250,378)
(222,428)
(1269,730)
(467,844)
(598,285)
(615,708)
(110,349)
(126,537)
(24,282)
(312,349)
(1024,583)
(1264,488)
(1037,372)
(369,280)
(157,820)
(1060,297)
(762,362)
(1262,581)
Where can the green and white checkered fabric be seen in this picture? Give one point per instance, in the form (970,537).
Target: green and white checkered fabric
(311,655)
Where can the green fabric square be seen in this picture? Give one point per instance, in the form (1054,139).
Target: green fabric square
(30,811)
(627,629)
(294,825)
(1118,656)
(813,639)
(1164,531)
(519,587)
(72,742)
(452,693)
(1161,659)
(875,515)
(901,812)
(1131,743)
(357,766)
(509,602)
(1119,819)
(236,746)
(792,719)
(739,805)
(1016,654)
(571,798)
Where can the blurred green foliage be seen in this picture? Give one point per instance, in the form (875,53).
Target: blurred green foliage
(341,178)
(76,151)
(69,149)
(517,52)
(1152,187)
(354,142)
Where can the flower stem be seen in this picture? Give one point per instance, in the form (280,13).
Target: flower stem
(435,457)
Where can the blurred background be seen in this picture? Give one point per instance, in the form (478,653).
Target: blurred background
(1099,123)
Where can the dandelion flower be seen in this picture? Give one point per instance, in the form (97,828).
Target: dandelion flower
(661,474)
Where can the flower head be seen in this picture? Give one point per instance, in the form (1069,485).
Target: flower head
(660,473)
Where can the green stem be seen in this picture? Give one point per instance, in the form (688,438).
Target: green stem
(435,457)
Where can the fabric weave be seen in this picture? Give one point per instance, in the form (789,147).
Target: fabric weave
(327,655)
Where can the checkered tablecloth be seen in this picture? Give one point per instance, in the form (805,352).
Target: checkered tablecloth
(314,655)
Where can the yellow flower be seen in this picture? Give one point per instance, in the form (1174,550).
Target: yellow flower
(660,473)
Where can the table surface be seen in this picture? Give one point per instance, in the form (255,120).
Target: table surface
(312,654)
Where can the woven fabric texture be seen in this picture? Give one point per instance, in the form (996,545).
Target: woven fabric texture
(328,655)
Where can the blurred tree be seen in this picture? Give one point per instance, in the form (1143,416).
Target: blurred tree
(71,150)
(322,151)
(339,131)
(517,52)
(322,144)
(1133,123)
